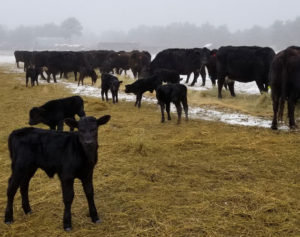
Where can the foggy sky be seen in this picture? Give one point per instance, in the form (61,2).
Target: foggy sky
(121,15)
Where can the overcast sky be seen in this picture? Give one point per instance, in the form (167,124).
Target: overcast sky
(99,15)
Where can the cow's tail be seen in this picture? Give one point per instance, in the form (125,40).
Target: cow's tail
(282,98)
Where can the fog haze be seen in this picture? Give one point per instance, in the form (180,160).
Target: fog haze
(124,15)
(117,20)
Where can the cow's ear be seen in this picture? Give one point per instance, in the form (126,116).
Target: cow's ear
(103,120)
(72,123)
(120,82)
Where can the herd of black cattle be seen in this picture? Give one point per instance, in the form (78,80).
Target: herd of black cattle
(74,154)
(226,65)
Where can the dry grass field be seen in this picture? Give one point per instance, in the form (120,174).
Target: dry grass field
(194,179)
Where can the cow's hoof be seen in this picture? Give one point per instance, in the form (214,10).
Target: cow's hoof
(274,127)
(97,221)
(29,212)
(68,229)
(192,84)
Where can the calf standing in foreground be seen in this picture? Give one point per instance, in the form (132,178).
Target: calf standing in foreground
(176,93)
(142,85)
(54,112)
(110,82)
(70,155)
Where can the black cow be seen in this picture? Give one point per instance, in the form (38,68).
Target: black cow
(184,61)
(87,72)
(285,84)
(244,64)
(175,93)
(167,75)
(54,112)
(23,56)
(110,82)
(33,74)
(138,61)
(70,155)
(142,85)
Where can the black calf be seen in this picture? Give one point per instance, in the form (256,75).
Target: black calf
(70,155)
(176,93)
(110,82)
(54,112)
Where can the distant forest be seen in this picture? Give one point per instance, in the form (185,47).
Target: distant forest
(153,38)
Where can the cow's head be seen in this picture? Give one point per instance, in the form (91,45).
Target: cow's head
(87,128)
(36,115)
(128,89)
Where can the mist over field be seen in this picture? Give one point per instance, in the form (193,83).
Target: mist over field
(151,26)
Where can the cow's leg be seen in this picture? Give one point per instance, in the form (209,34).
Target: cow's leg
(113,95)
(88,188)
(220,85)
(24,190)
(275,100)
(52,126)
(18,66)
(168,110)
(140,100)
(231,88)
(196,75)
(102,94)
(32,80)
(291,110)
(179,111)
(136,100)
(60,125)
(27,79)
(203,75)
(260,85)
(13,185)
(54,77)
(117,99)
(75,75)
(187,78)
(106,95)
(162,108)
(185,108)
(68,195)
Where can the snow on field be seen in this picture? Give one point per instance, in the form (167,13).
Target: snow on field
(194,112)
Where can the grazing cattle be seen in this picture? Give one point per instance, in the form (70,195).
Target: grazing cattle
(184,61)
(138,61)
(110,82)
(142,85)
(175,93)
(23,56)
(70,155)
(285,84)
(54,112)
(33,74)
(244,64)
(87,72)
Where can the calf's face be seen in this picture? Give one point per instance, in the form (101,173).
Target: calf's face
(35,116)
(88,128)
